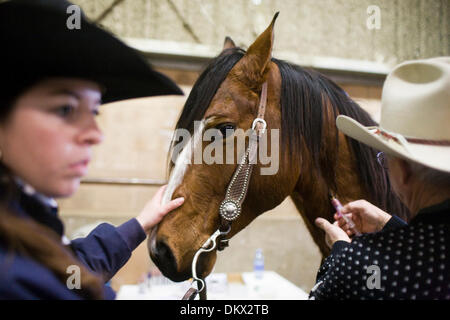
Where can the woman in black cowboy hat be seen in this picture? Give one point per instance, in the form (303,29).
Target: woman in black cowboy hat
(53,81)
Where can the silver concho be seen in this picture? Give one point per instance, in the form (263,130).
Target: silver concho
(230,210)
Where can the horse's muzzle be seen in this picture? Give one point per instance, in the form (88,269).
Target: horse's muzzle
(162,256)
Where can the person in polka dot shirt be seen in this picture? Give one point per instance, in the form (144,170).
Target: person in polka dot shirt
(392,259)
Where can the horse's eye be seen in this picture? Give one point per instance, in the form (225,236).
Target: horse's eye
(226,129)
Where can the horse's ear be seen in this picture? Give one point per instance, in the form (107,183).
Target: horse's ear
(259,54)
(228,44)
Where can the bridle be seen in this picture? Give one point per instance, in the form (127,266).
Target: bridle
(231,206)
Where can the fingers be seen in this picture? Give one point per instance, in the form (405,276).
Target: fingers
(333,232)
(159,194)
(356,206)
(154,211)
(349,207)
(352,206)
(162,189)
(157,198)
(341,220)
(323,224)
(172,205)
(341,223)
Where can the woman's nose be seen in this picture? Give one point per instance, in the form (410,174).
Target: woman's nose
(90,133)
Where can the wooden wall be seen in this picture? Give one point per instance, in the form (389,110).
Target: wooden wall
(137,135)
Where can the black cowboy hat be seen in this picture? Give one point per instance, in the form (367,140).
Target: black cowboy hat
(38,41)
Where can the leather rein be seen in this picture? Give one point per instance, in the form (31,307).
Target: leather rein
(231,206)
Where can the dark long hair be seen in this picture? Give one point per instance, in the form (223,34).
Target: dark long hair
(206,86)
(34,240)
(307,97)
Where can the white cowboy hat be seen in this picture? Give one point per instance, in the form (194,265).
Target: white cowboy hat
(415,115)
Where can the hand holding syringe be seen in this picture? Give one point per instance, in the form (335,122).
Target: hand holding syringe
(338,206)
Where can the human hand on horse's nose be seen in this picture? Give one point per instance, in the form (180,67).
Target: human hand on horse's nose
(154,210)
(366,217)
(333,232)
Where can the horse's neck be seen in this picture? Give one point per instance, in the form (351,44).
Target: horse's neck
(311,202)
(348,183)
(312,191)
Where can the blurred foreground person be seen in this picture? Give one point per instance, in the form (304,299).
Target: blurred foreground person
(54,79)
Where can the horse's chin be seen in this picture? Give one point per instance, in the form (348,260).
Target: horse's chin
(177,277)
(205,266)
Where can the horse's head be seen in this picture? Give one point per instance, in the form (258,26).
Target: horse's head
(315,161)
(225,98)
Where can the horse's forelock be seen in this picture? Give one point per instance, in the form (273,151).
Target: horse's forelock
(205,89)
(182,162)
(206,86)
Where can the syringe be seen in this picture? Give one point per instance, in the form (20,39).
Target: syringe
(338,206)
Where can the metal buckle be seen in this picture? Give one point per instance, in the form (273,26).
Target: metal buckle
(209,245)
(262,121)
(229,209)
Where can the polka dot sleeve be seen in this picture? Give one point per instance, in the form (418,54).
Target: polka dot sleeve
(409,262)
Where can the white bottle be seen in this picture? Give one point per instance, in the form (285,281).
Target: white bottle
(258,264)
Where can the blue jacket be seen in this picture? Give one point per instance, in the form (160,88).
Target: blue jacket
(104,251)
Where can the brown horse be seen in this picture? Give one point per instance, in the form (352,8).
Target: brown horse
(314,158)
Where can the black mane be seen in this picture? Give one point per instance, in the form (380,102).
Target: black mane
(206,86)
(306,97)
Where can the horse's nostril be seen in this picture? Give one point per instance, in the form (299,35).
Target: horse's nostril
(164,257)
